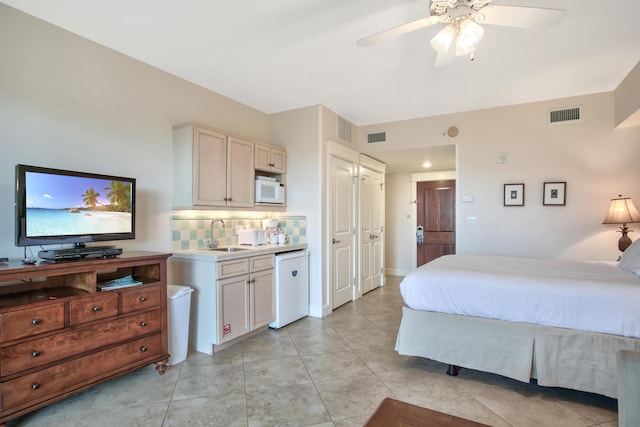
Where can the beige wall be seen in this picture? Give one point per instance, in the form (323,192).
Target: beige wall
(627,96)
(595,159)
(68,103)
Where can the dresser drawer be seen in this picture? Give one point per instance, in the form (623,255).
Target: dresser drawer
(38,352)
(98,307)
(140,298)
(32,321)
(39,386)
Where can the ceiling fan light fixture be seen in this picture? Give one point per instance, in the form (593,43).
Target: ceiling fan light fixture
(469,36)
(442,41)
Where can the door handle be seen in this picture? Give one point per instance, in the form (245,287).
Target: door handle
(334,241)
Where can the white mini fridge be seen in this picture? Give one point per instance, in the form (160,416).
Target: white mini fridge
(292,287)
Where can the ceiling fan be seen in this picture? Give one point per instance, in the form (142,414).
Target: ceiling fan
(463,30)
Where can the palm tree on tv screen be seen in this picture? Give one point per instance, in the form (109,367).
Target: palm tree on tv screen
(90,198)
(119,195)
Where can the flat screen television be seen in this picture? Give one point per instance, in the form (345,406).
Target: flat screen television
(56,206)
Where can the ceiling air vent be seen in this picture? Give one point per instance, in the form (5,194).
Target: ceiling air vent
(374,138)
(344,130)
(564,115)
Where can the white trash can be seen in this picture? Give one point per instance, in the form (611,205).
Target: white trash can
(178,310)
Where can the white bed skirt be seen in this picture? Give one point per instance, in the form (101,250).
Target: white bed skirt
(556,357)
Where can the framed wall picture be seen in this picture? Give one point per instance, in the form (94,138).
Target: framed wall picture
(514,194)
(554,193)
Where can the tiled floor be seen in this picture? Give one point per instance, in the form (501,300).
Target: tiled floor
(329,372)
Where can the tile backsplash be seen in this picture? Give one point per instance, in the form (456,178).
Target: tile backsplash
(188,232)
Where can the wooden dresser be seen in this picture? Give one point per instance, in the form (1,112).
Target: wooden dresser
(59,334)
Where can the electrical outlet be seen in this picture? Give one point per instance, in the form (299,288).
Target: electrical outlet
(472,220)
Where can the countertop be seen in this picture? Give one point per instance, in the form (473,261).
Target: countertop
(241,251)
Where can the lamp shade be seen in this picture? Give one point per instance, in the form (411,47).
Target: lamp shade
(442,41)
(469,36)
(622,211)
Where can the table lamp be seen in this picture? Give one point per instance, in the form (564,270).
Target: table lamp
(622,211)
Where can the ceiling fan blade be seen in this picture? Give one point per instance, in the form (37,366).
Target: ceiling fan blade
(400,30)
(520,16)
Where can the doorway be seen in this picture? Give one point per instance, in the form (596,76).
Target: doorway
(436,215)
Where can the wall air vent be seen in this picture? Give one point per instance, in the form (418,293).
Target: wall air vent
(344,130)
(374,138)
(564,115)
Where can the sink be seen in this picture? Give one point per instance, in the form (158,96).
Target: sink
(228,249)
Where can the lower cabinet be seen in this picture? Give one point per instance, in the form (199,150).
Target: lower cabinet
(246,303)
(237,301)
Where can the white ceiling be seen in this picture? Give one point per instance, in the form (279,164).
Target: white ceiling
(279,55)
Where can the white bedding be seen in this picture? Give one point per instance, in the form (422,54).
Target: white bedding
(584,295)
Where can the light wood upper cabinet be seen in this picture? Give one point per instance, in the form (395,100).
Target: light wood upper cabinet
(211,168)
(270,158)
(240,172)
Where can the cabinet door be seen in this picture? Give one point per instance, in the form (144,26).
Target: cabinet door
(233,297)
(263,309)
(278,160)
(262,157)
(240,173)
(270,159)
(209,168)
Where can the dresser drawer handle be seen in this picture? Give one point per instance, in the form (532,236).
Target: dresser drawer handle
(143,299)
(35,322)
(35,386)
(143,324)
(35,353)
(143,349)
(96,308)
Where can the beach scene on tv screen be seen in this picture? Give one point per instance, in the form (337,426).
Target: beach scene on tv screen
(72,205)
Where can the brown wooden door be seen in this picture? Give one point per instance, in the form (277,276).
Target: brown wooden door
(436,213)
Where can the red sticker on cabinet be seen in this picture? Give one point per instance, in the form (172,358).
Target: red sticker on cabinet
(226,329)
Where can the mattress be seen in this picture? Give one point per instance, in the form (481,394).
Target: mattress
(583,295)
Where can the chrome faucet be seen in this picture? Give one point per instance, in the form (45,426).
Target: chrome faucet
(214,242)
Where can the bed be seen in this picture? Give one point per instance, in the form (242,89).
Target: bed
(558,321)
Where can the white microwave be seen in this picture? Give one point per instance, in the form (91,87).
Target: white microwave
(268,190)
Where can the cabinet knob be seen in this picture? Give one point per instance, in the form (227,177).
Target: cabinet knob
(143,349)
(35,353)
(35,386)
(96,309)
(334,241)
(143,324)
(35,322)
(143,299)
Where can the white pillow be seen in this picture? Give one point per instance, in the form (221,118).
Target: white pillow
(630,258)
